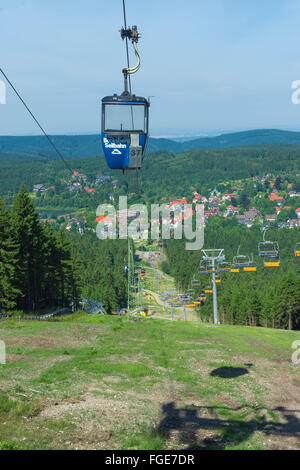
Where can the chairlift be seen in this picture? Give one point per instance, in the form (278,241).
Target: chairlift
(242,261)
(204,268)
(269,250)
(195,283)
(224,267)
(184,298)
(208,290)
(297,250)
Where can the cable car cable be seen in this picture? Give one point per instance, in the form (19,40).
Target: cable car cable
(127,49)
(128,62)
(130,88)
(37,122)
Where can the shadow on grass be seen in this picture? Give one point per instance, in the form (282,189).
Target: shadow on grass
(220,428)
(229,372)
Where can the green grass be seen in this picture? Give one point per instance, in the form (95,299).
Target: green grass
(115,377)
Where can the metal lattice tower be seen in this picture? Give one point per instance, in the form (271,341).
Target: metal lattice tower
(211,264)
(140,288)
(131,276)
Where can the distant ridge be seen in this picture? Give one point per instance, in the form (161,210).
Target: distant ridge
(89,145)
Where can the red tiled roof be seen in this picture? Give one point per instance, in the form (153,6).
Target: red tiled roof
(104,219)
(178,201)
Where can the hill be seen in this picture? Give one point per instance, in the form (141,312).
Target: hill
(163,175)
(89,145)
(106,383)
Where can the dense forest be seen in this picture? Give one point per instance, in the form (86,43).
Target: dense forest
(41,268)
(270,297)
(163,175)
(103,267)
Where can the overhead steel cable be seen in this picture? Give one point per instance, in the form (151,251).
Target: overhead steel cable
(127,48)
(37,122)
(128,61)
(129,78)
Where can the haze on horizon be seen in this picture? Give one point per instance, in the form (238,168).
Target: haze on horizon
(212,66)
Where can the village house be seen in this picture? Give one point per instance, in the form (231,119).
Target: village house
(293,223)
(127,215)
(107,224)
(271,217)
(214,200)
(196,198)
(294,194)
(248,217)
(241,219)
(231,210)
(73,222)
(39,188)
(274,196)
(75,186)
(102,179)
(177,205)
(228,197)
(252,214)
(89,190)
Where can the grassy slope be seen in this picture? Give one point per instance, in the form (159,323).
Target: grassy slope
(110,383)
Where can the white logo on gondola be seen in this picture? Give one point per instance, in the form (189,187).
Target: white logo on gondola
(112,145)
(116,152)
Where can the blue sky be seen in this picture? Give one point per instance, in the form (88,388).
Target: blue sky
(211,64)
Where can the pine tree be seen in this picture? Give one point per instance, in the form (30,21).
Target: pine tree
(28,235)
(289,302)
(64,266)
(51,286)
(75,279)
(8,261)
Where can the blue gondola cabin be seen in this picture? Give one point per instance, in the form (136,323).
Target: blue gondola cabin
(125,124)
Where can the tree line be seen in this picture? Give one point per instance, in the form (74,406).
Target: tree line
(39,268)
(268,298)
(163,174)
(103,263)
(42,268)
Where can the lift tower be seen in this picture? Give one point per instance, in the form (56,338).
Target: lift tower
(213,262)
(131,276)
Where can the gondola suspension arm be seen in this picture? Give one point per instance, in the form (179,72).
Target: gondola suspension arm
(133,35)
